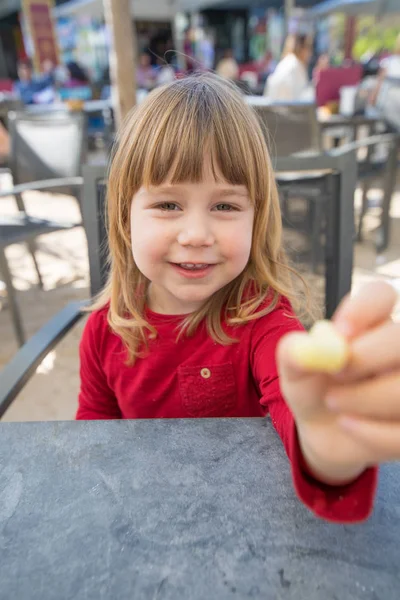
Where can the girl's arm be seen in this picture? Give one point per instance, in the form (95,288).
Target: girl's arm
(345,503)
(96,399)
(347,414)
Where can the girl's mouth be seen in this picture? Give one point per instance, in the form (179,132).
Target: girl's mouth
(193,270)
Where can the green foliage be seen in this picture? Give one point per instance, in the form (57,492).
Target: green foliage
(373,37)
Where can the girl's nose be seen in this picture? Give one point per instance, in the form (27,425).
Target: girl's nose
(195,232)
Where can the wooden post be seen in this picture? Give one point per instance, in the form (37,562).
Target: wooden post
(349,36)
(118,16)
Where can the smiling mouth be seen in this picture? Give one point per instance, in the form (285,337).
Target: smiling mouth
(193,270)
(193,266)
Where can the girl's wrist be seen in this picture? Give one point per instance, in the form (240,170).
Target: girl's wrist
(325,471)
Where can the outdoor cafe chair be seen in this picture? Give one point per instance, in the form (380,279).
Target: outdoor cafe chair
(47,146)
(294,129)
(47,152)
(339,174)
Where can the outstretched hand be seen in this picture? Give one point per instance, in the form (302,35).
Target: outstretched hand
(348,421)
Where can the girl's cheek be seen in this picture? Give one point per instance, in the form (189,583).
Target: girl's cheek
(239,241)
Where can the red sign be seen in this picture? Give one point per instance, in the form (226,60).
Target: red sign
(39,20)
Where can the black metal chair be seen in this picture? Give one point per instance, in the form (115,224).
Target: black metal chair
(386,161)
(380,163)
(21,368)
(339,172)
(47,153)
(293,129)
(331,233)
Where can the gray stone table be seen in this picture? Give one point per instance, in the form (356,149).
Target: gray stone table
(178,510)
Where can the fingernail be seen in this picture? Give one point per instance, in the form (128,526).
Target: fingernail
(331,403)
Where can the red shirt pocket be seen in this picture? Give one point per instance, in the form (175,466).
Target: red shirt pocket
(207,391)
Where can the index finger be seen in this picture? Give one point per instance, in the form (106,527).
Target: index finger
(372,305)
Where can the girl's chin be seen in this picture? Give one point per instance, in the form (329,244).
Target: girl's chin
(175,303)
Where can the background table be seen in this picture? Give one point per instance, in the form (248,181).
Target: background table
(340,127)
(196,509)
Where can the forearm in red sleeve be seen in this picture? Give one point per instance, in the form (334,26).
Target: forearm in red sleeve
(349,503)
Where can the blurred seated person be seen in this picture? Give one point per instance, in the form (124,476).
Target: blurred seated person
(188,52)
(145,74)
(48,70)
(207,52)
(391,64)
(389,69)
(323,62)
(29,87)
(106,85)
(4,145)
(164,72)
(266,65)
(370,61)
(289,82)
(76,76)
(227,67)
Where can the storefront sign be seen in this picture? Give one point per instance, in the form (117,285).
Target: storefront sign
(39,22)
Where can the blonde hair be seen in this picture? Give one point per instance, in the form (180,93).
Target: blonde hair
(165,138)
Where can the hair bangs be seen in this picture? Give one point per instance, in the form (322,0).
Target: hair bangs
(190,130)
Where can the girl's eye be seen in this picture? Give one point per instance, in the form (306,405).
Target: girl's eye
(225,207)
(168,206)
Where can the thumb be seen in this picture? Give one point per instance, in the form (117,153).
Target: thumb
(302,389)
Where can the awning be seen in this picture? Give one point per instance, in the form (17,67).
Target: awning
(92,8)
(146,10)
(355,7)
(198,5)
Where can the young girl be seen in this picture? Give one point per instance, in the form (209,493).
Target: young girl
(199,297)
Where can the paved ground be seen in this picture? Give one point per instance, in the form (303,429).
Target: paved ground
(52,393)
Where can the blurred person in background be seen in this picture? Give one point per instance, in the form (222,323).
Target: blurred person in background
(389,68)
(227,66)
(49,70)
(188,51)
(290,82)
(370,61)
(29,87)
(4,144)
(390,65)
(76,75)
(105,84)
(145,74)
(266,65)
(385,97)
(323,62)
(164,72)
(207,52)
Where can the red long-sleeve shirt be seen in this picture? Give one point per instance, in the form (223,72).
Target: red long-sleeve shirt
(197,377)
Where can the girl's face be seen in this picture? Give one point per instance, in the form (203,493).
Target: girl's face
(190,240)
